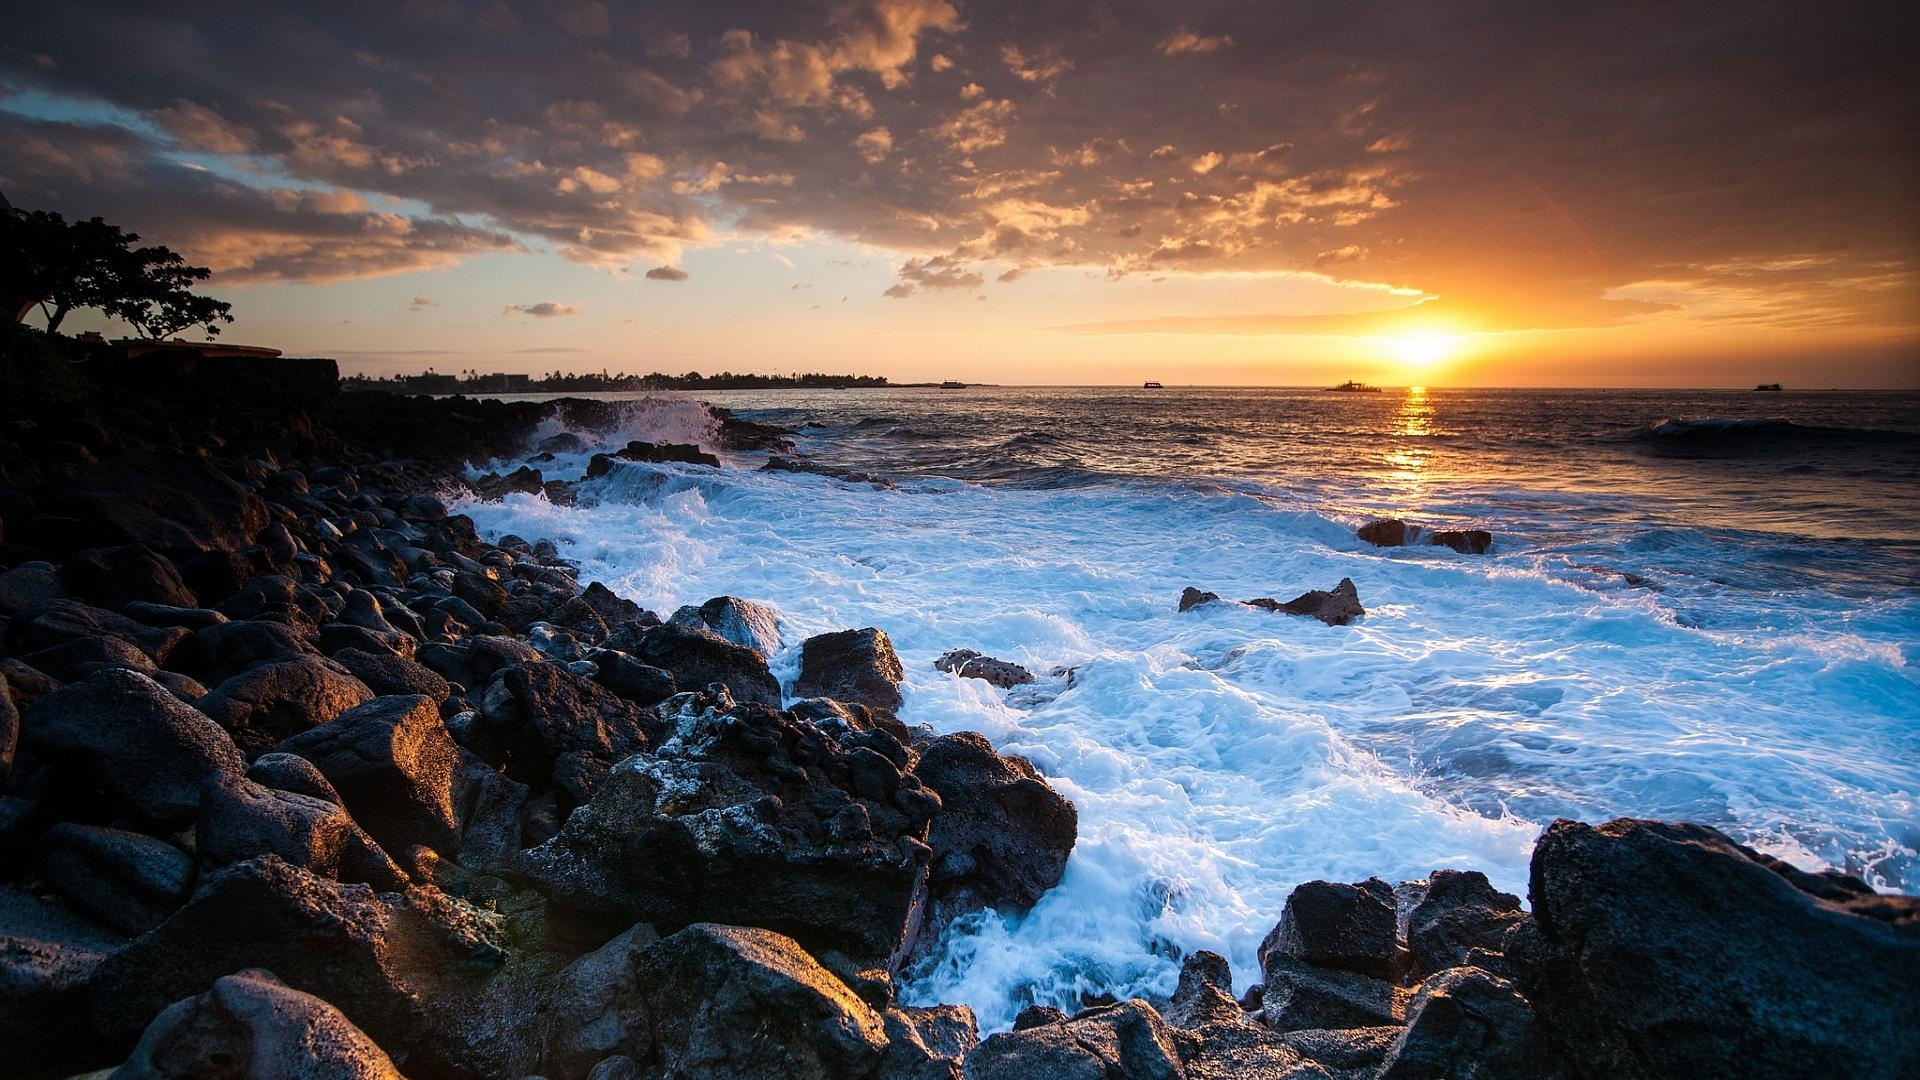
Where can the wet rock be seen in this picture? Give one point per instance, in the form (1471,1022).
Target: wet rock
(615,610)
(686,453)
(642,684)
(1191,598)
(1464,541)
(217,653)
(730,1001)
(743,622)
(1660,949)
(1205,990)
(748,817)
(1002,836)
(127,880)
(777,463)
(1330,924)
(116,577)
(384,673)
(241,819)
(1462,912)
(266,705)
(251,1024)
(699,657)
(290,772)
(840,718)
(969,664)
(1033,1016)
(1216,1039)
(399,966)
(566,442)
(1127,1040)
(123,732)
(1336,607)
(1465,1024)
(394,765)
(851,665)
(1388,532)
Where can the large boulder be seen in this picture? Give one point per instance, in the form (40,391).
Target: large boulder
(743,622)
(173,501)
(127,880)
(969,664)
(219,652)
(252,1026)
(47,956)
(1332,924)
(263,706)
(1466,1024)
(122,732)
(119,576)
(1388,532)
(385,673)
(401,967)
(1660,949)
(552,728)
(851,665)
(697,658)
(738,1003)
(395,768)
(1461,919)
(241,819)
(56,621)
(1337,606)
(1127,1040)
(751,817)
(1002,836)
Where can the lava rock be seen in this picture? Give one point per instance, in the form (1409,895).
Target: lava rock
(57,621)
(1127,1039)
(1002,836)
(928,1043)
(1335,607)
(384,673)
(1660,949)
(217,653)
(47,956)
(1464,541)
(116,577)
(252,1025)
(241,819)
(265,705)
(743,622)
(394,766)
(1191,598)
(542,716)
(851,665)
(697,658)
(1388,532)
(1330,924)
(71,661)
(28,585)
(968,664)
(175,502)
(290,772)
(642,684)
(1461,913)
(125,733)
(127,880)
(1465,1024)
(1299,996)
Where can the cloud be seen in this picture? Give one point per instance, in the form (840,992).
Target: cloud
(667,273)
(1184,41)
(544,310)
(933,272)
(875,145)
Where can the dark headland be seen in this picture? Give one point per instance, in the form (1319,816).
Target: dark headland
(304,777)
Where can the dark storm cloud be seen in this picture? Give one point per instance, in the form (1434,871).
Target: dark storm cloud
(1531,164)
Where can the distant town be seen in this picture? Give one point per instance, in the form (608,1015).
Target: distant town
(475,382)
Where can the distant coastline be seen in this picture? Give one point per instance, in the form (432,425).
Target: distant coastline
(429,382)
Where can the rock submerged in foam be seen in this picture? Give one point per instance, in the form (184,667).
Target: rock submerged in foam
(1337,606)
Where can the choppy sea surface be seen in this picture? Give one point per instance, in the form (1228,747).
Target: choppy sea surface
(1700,605)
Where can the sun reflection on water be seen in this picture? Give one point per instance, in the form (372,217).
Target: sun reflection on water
(1412,423)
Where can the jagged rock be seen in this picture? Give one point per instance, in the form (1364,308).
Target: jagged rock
(266,705)
(1127,1040)
(1205,990)
(127,880)
(1661,949)
(724,822)
(276,598)
(394,765)
(1465,1024)
(1345,1052)
(384,673)
(928,1043)
(615,610)
(1191,598)
(777,463)
(840,717)
(699,657)
(1461,913)
(1330,924)
(730,1001)
(1002,836)
(1033,1016)
(686,453)
(123,732)
(1299,996)
(398,966)
(642,684)
(116,577)
(550,727)
(851,665)
(1464,541)
(969,664)
(291,772)
(743,622)
(241,819)
(1216,1038)
(56,621)
(335,638)
(217,653)
(1388,532)
(252,1026)
(1335,607)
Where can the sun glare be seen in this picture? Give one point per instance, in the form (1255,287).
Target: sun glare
(1421,349)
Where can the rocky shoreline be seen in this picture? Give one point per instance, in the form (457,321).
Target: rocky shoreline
(304,777)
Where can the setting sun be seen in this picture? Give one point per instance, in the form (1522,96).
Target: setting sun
(1422,350)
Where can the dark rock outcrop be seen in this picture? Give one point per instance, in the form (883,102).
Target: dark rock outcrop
(1462,918)
(851,665)
(1331,924)
(127,880)
(1128,1040)
(124,733)
(697,658)
(265,705)
(252,1025)
(550,727)
(1388,532)
(968,664)
(241,819)
(743,622)
(1464,541)
(1002,836)
(395,768)
(1191,598)
(1466,1024)
(1335,607)
(384,674)
(1662,949)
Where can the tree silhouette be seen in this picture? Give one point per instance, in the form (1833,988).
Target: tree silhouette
(65,266)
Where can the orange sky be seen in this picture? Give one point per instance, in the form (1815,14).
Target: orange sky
(1247,193)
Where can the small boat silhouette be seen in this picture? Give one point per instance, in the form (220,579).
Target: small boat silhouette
(951,384)
(1351,387)
(1769,387)
(1151,385)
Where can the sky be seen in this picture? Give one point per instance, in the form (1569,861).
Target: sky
(1240,193)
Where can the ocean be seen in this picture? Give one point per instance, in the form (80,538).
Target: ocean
(1700,605)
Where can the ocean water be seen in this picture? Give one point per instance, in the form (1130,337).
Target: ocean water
(1700,606)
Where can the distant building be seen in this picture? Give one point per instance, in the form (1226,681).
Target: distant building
(430,383)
